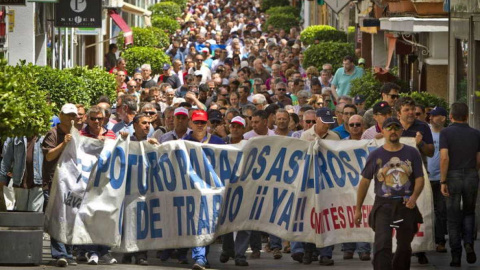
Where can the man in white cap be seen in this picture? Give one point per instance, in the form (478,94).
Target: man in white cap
(180,123)
(237,129)
(55,141)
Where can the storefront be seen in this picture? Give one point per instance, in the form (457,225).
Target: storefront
(464,56)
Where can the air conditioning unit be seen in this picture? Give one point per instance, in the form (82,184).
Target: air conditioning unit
(112,3)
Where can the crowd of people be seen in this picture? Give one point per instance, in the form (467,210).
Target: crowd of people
(230,79)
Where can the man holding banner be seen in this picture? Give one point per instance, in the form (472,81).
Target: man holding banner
(397,170)
(319,131)
(199,133)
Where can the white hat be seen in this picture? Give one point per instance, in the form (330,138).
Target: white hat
(198,73)
(180,111)
(238,120)
(69,108)
(177,100)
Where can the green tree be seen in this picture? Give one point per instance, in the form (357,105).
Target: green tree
(166,9)
(146,37)
(282,21)
(24,107)
(323,33)
(327,52)
(166,24)
(266,4)
(284,10)
(137,56)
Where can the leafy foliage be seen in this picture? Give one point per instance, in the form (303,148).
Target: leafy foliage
(367,86)
(166,24)
(427,99)
(282,21)
(181,3)
(146,37)
(166,9)
(284,10)
(267,4)
(24,107)
(137,56)
(327,52)
(96,83)
(323,33)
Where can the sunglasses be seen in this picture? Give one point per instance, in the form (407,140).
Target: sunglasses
(393,128)
(310,121)
(138,80)
(199,60)
(199,122)
(220,70)
(355,125)
(394,96)
(216,122)
(96,119)
(418,113)
(319,103)
(281,89)
(150,113)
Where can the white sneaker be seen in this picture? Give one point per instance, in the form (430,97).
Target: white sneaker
(108,259)
(93,259)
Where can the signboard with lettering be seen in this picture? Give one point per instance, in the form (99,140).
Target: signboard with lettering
(78,13)
(337,5)
(13,2)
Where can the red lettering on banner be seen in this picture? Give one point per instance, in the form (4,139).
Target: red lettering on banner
(335,218)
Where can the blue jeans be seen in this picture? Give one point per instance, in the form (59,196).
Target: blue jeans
(59,250)
(238,247)
(361,247)
(463,188)
(275,242)
(199,254)
(297,247)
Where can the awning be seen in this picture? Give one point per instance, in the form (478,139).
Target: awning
(127,32)
(414,25)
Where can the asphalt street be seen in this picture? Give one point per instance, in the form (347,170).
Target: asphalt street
(437,261)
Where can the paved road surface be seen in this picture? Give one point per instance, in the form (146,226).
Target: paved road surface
(437,261)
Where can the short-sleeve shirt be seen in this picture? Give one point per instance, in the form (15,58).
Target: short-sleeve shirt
(54,137)
(434,162)
(394,172)
(463,144)
(423,128)
(342,80)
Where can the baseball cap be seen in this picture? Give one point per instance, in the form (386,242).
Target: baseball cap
(270,57)
(69,108)
(315,81)
(361,61)
(199,115)
(166,66)
(180,111)
(325,115)
(205,50)
(438,111)
(215,115)
(382,107)
(359,99)
(198,73)
(238,120)
(391,121)
(295,46)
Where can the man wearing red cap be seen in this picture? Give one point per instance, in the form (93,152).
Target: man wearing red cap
(199,133)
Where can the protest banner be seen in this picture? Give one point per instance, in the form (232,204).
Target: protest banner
(135,196)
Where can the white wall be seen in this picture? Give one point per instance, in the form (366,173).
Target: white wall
(21,42)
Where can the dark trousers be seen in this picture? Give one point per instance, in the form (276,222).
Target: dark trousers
(383,258)
(463,188)
(256,240)
(440,209)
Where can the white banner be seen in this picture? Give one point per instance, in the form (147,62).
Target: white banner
(130,194)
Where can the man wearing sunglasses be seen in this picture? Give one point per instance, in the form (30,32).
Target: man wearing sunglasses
(355,128)
(395,201)
(347,112)
(198,125)
(95,128)
(281,94)
(309,119)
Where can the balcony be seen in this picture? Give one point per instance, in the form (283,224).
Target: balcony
(420,8)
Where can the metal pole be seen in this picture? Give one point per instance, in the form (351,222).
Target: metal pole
(60,49)
(71,49)
(54,48)
(66,49)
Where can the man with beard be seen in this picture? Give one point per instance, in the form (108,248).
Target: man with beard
(397,170)
(343,76)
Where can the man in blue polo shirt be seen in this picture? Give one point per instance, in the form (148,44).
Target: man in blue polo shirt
(343,76)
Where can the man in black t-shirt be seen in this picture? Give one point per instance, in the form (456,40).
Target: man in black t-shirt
(459,163)
(397,170)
